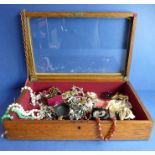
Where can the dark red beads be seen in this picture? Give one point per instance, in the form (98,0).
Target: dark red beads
(99,128)
(111,131)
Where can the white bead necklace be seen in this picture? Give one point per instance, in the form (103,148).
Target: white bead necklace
(26,114)
(34,98)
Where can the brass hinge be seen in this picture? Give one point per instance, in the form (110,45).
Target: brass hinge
(32,78)
(125,78)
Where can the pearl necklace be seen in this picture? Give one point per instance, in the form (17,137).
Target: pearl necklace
(29,114)
(34,98)
(38,114)
(13,105)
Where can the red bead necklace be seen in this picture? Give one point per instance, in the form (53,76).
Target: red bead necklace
(110,132)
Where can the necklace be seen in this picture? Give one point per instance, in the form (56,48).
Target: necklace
(99,128)
(19,110)
(111,130)
(34,98)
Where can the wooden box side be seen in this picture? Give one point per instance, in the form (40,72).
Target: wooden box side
(75,130)
(131,88)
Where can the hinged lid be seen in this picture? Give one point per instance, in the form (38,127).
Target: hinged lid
(78,45)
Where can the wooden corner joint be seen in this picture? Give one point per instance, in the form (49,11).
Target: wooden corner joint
(135,14)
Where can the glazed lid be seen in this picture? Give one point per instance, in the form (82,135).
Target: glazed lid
(78,45)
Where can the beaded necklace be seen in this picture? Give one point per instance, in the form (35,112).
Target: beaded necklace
(34,98)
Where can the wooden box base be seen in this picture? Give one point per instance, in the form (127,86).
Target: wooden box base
(138,129)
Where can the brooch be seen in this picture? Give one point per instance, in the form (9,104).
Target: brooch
(52,92)
(120,107)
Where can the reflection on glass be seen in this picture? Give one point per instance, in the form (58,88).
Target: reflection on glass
(79,45)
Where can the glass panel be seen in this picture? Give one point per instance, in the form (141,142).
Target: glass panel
(79,45)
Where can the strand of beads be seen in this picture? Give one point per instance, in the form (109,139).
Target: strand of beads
(7,115)
(111,131)
(19,110)
(30,114)
(13,105)
(99,128)
(20,115)
(34,98)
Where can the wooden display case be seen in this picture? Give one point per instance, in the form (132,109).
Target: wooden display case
(45,32)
